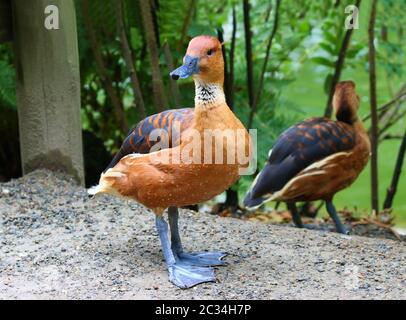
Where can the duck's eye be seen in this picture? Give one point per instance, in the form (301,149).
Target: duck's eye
(210,52)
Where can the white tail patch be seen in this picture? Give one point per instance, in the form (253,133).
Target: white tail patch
(104,186)
(113,174)
(93,190)
(135,155)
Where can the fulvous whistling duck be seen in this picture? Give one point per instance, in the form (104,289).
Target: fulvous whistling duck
(315,159)
(134,172)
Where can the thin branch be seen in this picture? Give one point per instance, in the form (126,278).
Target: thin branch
(102,70)
(173,84)
(339,67)
(154,10)
(128,58)
(186,23)
(265,64)
(391,137)
(268,11)
(248,52)
(391,115)
(232,56)
(386,106)
(374,113)
(220,37)
(158,89)
(393,121)
(391,191)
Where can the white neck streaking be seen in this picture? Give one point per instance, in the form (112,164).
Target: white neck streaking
(208,94)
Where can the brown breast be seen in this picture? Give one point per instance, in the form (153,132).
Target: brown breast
(160,185)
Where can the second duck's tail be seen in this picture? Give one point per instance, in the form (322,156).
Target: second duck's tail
(252,203)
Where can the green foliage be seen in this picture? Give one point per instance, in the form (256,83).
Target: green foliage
(7,85)
(391,49)
(7,79)
(333,32)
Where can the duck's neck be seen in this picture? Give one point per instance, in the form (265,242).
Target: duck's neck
(208,95)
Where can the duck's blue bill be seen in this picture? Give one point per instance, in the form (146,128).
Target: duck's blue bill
(190,66)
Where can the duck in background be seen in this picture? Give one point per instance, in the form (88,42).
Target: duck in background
(168,184)
(315,159)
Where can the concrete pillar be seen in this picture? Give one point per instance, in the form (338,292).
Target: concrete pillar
(48,86)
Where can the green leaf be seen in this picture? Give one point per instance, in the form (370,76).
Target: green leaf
(198,29)
(135,38)
(328,48)
(323,61)
(7,85)
(332,39)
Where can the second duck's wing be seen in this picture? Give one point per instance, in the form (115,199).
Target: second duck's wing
(298,147)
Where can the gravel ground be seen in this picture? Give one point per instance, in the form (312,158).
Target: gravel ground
(58,244)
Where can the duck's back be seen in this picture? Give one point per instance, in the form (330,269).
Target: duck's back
(299,147)
(138,139)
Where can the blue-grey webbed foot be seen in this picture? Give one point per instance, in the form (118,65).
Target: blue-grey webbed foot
(186,276)
(202,259)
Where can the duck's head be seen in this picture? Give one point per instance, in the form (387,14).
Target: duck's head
(203,60)
(346,102)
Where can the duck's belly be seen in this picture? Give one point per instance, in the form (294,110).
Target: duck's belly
(323,179)
(194,184)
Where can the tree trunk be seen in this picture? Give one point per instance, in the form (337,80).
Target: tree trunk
(128,58)
(338,68)
(231,195)
(158,88)
(186,23)
(391,191)
(248,53)
(48,88)
(374,113)
(232,57)
(220,37)
(265,64)
(231,199)
(177,98)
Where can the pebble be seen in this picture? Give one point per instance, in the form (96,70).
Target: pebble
(63,245)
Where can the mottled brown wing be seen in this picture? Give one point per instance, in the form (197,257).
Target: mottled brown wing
(138,139)
(298,147)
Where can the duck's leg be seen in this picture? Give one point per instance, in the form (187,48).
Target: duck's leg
(297,220)
(196,259)
(333,214)
(181,274)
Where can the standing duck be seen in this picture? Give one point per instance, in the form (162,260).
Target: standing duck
(315,159)
(158,180)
